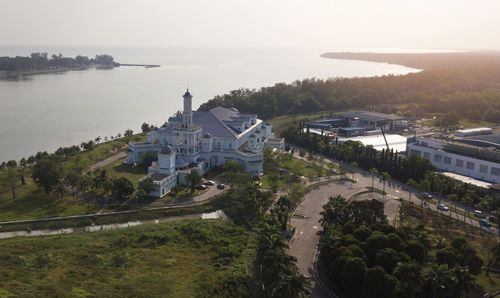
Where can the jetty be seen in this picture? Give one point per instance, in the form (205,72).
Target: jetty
(141,65)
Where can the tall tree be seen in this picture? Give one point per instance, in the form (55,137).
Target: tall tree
(384,177)
(194,179)
(47,173)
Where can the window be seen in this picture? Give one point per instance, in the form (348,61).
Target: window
(437,158)
(423,144)
(427,155)
(460,163)
(483,168)
(470,165)
(447,160)
(495,171)
(416,152)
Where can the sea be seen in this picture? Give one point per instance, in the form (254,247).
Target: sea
(46,111)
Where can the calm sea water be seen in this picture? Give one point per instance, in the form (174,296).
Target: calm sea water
(44,112)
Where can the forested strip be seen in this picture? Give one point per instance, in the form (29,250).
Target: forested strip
(473,91)
(42,61)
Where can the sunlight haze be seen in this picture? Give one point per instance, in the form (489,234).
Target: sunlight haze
(326,24)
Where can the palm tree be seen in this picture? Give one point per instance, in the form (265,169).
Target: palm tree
(342,172)
(374,172)
(493,256)
(384,177)
(283,207)
(410,278)
(193,178)
(411,183)
(354,165)
(467,202)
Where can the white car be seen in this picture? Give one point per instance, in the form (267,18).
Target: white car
(442,207)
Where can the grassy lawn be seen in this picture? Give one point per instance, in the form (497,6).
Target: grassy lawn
(443,227)
(467,123)
(294,168)
(119,169)
(31,203)
(196,258)
(282,122)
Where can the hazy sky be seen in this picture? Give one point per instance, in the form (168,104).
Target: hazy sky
(320,24)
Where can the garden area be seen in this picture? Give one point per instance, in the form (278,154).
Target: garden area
(281,169)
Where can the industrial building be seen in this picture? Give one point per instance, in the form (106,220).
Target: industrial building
(473,132)
(395,142)
(374,120)
(475,156)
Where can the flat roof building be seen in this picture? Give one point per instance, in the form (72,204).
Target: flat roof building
(372,120)
(470,157)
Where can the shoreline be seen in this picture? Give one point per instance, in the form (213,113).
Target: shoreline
(13,75)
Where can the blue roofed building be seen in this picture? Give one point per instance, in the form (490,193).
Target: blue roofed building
(203,140)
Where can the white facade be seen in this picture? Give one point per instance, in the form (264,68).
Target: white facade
(433,150)
(203,140)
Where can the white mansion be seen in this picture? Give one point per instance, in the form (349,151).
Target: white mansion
(203,140)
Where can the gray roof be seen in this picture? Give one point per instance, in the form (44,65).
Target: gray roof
(217,122)
(166,150)
(371,116)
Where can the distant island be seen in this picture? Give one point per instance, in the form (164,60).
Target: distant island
(41,63)
(422,60)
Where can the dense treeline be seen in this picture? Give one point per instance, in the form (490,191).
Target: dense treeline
(415,170)
(42,61)
(247,205)
(367,257)
(366,157)
(466,88)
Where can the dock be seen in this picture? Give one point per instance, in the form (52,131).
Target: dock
(141,65)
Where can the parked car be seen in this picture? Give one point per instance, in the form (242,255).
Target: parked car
(221,186)
(427,195)
(492,218)
(209,183)
(483,222)
(442,207)
(257,183)
(478,213)
(201,187)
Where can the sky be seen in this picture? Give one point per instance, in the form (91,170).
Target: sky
(315,24)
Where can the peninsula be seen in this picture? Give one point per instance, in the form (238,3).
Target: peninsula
(423,60)
(36,63)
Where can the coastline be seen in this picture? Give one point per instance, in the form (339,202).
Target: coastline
(422,61)
(13,75)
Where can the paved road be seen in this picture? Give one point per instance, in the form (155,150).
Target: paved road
(306,217)
(107,161)
(306,222)
(397,189)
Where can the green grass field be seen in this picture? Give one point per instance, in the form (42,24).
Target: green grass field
(31,203)
(294,167)
(118,168)
(282,122)
(196,258)
(466,123)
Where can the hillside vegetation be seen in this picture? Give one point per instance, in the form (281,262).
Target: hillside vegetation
(471,89)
